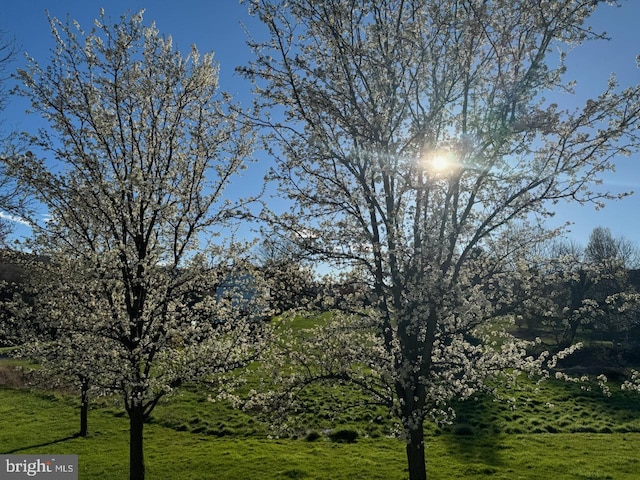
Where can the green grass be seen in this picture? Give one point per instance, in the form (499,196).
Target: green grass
(553,407)
(192,411)
(7,360)
(42,422)
(304,321)
(553,430)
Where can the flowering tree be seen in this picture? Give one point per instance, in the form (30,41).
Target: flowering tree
(56,332)
(568,288)
(412,137)
(553,293)
(291,283)
(141,150)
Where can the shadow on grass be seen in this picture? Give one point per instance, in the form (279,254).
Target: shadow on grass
(481,435)
(45,444)
(480,453)
(476,437)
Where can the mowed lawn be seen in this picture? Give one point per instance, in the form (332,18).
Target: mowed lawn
(42,422)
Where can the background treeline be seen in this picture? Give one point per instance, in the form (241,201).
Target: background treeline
(570,294)
(563,294)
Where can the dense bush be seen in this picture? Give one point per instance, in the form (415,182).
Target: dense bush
(344,435)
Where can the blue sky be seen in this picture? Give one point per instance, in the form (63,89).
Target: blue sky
(218,25)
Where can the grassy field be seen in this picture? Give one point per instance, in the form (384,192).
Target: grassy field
(556,431)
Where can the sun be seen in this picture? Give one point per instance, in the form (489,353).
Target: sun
(441,162)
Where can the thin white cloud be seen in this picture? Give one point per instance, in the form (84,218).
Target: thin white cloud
(13,218)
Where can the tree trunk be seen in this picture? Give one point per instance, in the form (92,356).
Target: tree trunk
(415,454)
(84,408)
(569,334)
(136,449)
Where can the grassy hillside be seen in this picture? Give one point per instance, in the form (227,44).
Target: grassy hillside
(552,430)
(192,438)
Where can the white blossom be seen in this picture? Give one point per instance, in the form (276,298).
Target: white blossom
(140,150)
(367,93)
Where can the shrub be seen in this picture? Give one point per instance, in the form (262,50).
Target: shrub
(463,429)
(295,473)
(312,436)
(344,436)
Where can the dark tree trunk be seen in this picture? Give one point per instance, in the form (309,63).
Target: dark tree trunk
(84,407)
(415,454)
(569,334)
(136,449)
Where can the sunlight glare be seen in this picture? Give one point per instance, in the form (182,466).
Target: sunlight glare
(441,162)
